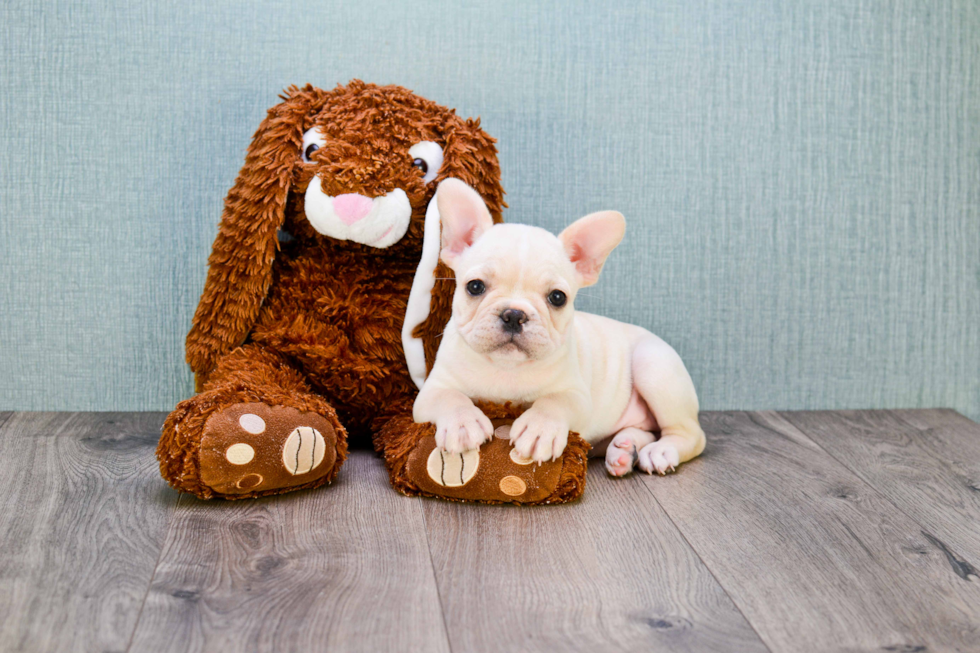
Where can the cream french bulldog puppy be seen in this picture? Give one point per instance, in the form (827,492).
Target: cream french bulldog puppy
(515,336)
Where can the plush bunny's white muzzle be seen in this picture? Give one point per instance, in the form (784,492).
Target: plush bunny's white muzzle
(377,222)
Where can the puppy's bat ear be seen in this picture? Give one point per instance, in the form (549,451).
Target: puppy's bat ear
(240,265)
(589,240)
(464,218)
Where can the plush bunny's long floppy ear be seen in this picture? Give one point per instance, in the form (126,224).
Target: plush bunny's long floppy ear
(240,265)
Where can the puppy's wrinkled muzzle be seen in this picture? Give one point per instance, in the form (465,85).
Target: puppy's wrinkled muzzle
(512,320)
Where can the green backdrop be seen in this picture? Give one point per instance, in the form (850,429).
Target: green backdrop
(800,178)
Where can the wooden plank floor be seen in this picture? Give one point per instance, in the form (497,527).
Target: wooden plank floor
(817,531)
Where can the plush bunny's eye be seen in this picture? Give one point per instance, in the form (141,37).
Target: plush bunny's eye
(312,141)
(427,157)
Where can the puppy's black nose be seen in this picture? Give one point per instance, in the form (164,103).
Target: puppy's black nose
(513,320)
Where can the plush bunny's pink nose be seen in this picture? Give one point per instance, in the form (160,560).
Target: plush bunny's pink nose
(351,207)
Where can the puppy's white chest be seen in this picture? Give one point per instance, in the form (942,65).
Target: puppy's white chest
(523,383)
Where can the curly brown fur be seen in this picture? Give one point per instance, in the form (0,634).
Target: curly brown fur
(440,310)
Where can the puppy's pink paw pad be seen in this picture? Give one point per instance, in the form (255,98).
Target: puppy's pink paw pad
(619,463)
(659,458)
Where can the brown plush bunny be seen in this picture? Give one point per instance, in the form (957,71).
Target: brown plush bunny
(323,305)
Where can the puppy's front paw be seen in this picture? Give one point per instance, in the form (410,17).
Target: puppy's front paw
(539,436)
(659,457)
(463,429)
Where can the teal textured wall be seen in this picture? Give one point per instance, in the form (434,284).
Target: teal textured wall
(801,179)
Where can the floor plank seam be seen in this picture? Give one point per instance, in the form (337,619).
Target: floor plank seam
(951,554)
(704,562)
(435,578)
(5,417)
(149,585)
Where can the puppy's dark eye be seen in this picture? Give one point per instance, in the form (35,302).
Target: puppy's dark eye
(421,165)
(308,152)
(476,287)
(557,298)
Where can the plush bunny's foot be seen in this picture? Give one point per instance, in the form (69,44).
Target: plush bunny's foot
(253,447)
(212,446)
(495,472)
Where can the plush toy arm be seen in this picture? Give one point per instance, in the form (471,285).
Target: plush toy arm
(421,299)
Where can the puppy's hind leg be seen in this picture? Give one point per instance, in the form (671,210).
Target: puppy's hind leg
(662,380)
(623,452)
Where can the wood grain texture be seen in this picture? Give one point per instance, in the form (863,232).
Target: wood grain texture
(343,568)
(925,462)
(849,532)
(607,573)
(84,518)
(815,558)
